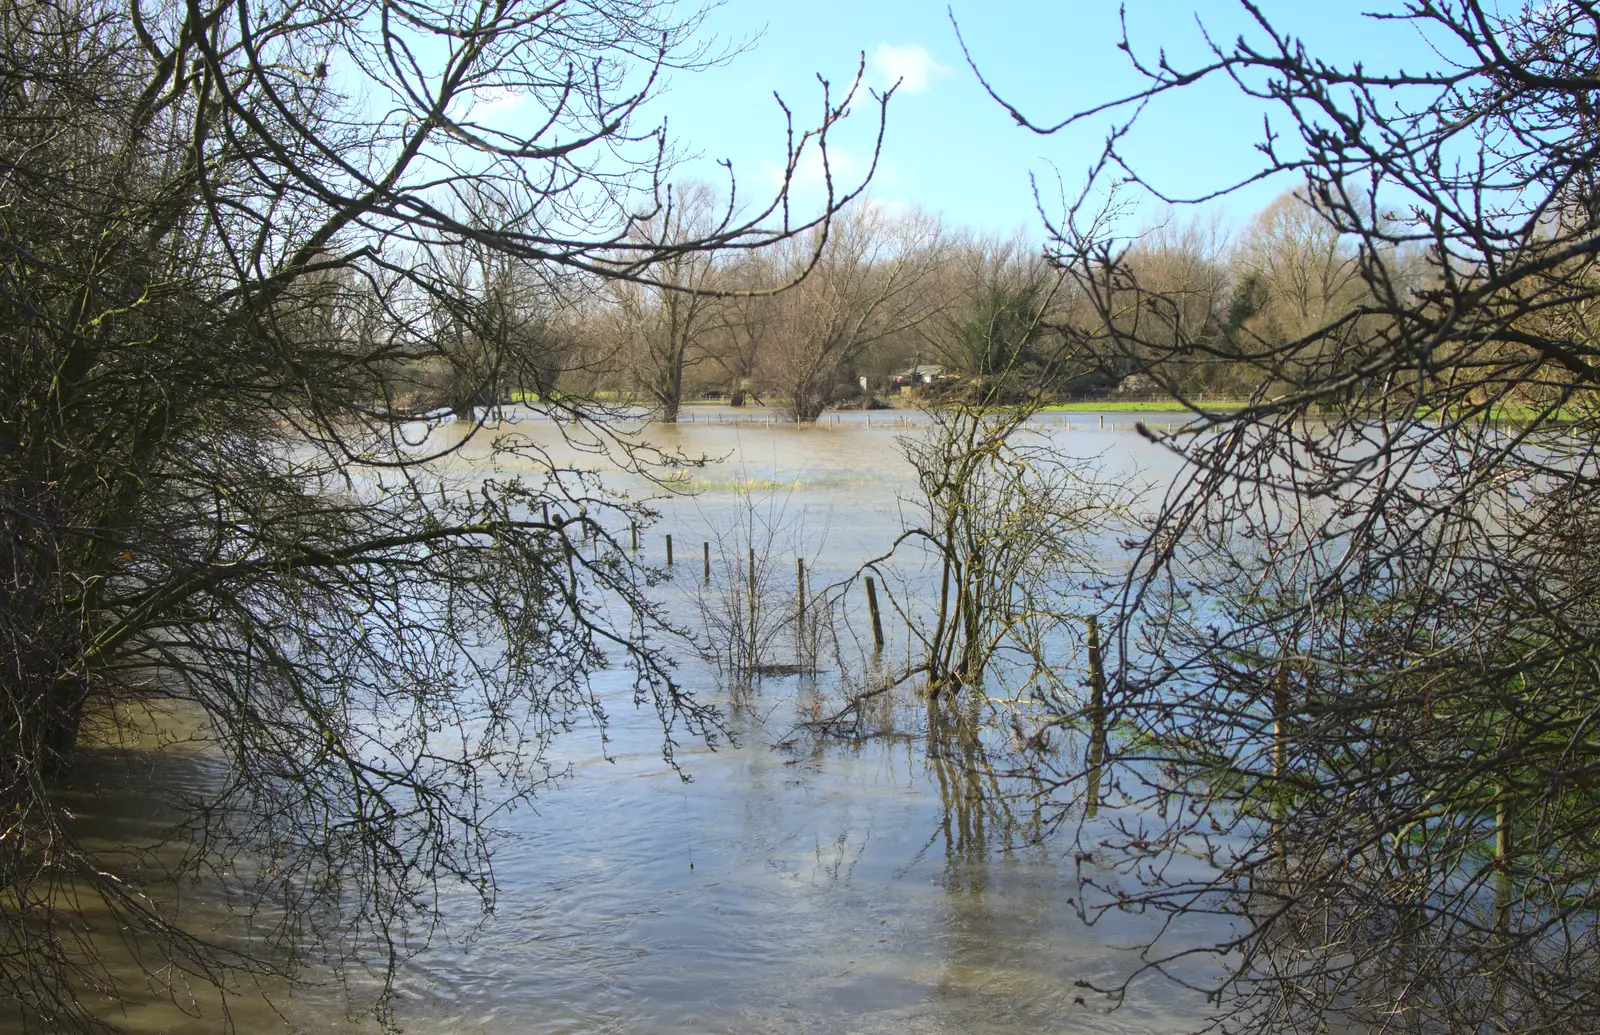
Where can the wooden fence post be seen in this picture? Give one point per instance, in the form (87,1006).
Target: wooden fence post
(752,590)
(1097,715)
(872,609)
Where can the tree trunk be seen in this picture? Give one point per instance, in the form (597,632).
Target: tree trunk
(807,406)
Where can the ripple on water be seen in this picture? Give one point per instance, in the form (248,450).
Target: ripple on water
(828,891)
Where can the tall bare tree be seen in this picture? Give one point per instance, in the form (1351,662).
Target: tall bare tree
(746,321)
(662,326)
(1173,296)
(1306,273)
(867,287)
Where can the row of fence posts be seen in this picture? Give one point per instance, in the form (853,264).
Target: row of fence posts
(799,578)
(1097,678)
(1095,760)
(705,562)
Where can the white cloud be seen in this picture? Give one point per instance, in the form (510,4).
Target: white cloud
(909,64)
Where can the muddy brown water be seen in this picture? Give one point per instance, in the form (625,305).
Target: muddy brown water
(850,887)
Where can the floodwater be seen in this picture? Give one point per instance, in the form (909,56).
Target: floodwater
(791,886)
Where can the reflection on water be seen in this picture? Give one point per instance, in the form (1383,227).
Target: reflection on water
(884,885)
(123,803)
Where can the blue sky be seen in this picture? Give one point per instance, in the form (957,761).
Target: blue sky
(952,150)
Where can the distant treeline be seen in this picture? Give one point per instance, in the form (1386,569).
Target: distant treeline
(886,300)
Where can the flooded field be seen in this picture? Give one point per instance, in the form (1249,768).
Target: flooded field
(793,884)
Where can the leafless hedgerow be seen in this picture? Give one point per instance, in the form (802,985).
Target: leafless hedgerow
(993,574)
(1011,528)
(244,250)
(1358,649)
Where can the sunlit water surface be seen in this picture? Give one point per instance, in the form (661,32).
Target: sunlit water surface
(791,886)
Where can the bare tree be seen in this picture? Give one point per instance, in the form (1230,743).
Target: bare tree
(494,334)
(1011,525)
(1306,273)
(989,318)
(745,322)
(1175,296)
(1357,687)
(233,240)
(663,325)
(866,288)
